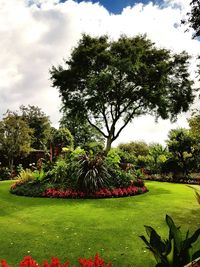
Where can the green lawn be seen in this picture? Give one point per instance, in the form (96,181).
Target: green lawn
(72,228)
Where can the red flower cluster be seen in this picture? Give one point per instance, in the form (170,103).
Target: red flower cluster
(103,193)
(29,262)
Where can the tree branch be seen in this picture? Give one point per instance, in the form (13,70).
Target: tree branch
(125,124)
(97,128)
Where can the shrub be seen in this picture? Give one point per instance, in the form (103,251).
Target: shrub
(39,175)
(5,173)
(93,147)
(59,172)
(113,159)
(120,178)
(28,189)
(92,174)
(174,251)
(25,176)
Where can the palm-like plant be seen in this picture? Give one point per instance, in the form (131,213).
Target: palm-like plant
(92,173)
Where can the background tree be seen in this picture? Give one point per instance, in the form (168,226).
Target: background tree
(39,122)
(183,157)
(112,82)
(157,156)
(135,147)
(60,138)
(15,137)
(81,130)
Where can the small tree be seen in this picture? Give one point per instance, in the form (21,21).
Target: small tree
(59,139)
(111,82)
(15,137)
(181,146)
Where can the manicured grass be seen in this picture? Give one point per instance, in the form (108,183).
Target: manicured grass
(72,228)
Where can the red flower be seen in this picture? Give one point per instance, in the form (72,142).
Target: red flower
(4,263)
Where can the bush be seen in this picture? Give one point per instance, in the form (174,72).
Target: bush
(25,176)
(113,159)
(59,172)
(120,178)
(31,189)
(93,147)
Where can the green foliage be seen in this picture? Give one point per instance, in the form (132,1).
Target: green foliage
(62,137)
(105,82)
(19,168)
(113,159)
(5,173)
(39,175)
(92,174)
(183,156)
(93,147)
(25,176)
(81,130)
(39,122)
(157,156)
(193,18)
(59,172)
(120,178)
(29,189)
(139,148)
(174,251)
(197,197)
(15,137)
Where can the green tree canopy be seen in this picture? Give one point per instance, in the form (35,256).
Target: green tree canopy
(15,137)
(182,146)
(135,147)
(193,17)
(39,122)
(81,130)
(111,82)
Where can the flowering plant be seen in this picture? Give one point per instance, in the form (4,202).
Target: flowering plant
(29,262)
(102,193)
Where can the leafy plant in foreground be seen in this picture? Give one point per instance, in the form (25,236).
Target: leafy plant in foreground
(174,251)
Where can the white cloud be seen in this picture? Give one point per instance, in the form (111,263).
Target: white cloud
(36,34)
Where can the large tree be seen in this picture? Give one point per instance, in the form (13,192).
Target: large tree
(112,82)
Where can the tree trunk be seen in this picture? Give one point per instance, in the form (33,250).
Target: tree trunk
(108,144)
(11,165)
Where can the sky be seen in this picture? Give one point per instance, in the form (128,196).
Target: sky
(37,34)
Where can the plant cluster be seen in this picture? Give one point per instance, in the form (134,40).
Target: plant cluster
(80,174)
(28,261)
